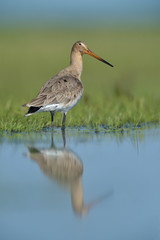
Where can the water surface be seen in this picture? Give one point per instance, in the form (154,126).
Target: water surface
(96,186)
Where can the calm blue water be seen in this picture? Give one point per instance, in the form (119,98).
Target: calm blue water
(99,186)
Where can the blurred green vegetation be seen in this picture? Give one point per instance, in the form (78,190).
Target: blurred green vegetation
(129,93)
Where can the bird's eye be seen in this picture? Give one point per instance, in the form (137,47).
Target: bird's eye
(79,44)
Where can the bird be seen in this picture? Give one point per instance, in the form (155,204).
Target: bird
(63,91)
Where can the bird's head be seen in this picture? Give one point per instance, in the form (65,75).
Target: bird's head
(83,49)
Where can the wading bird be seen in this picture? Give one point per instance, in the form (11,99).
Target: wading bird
(63,91)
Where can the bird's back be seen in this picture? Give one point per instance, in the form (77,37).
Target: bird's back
(61,89)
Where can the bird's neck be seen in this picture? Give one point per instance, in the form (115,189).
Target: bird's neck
(76,64)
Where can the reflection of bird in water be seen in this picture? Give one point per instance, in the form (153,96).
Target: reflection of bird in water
(65,167)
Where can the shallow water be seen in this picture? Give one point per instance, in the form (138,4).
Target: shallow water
(99,186)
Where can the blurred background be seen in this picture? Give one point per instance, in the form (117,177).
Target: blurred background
(78,13)
(37,36)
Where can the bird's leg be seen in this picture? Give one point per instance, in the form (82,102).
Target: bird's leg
(64,137)
(52,115)
(63,122)
(52,140)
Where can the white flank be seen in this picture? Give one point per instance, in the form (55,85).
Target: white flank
(49,108)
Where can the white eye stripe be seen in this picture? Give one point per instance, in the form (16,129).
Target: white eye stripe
(82,44)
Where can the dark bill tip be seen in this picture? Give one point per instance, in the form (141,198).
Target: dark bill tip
(107,63)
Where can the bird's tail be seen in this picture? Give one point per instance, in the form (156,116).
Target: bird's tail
(31,110)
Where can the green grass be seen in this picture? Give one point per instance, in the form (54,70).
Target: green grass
(115,97)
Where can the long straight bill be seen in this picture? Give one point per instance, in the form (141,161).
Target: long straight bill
(87,51)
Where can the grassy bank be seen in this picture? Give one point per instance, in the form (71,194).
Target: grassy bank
(129,93)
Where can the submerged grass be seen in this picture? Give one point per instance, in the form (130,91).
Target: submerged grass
(127,94)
